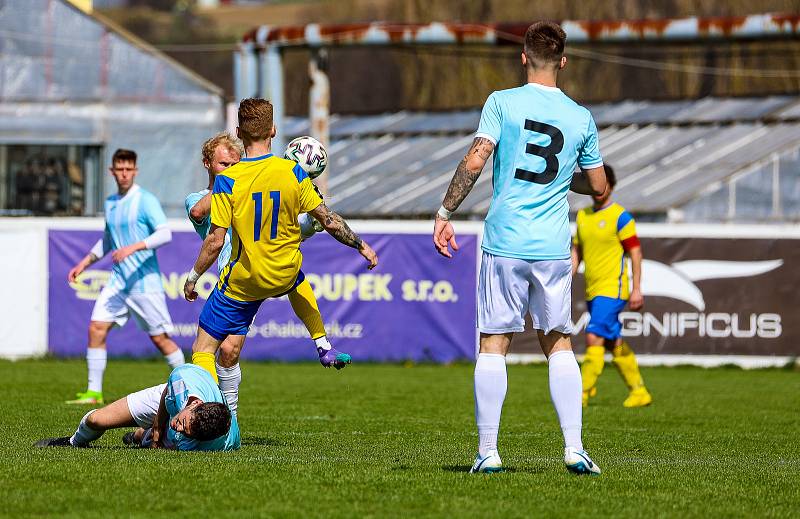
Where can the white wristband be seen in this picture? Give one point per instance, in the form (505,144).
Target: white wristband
(193,276)
(444,214)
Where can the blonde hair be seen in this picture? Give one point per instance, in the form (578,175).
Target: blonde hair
(221,139)
(255,119)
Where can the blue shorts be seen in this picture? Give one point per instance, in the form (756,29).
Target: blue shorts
(604,317)
(223,316)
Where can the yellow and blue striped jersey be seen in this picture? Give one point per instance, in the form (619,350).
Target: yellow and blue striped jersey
(260,200)
(604,236)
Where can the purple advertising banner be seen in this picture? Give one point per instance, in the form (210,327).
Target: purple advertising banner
(415,306)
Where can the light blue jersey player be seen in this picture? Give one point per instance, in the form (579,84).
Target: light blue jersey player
(135,227)
(194,201)
(187,384)
(538,136)
(188,413)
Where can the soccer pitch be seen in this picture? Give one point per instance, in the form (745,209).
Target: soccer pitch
(387,440)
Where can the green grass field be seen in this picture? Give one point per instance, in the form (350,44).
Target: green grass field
(387,440)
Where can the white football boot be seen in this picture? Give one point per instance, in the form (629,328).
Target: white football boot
(578,462)
(487,464)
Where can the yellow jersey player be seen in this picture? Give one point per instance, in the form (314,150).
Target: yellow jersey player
(259,199)
(606,235)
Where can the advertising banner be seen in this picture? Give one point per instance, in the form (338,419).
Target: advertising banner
(416,305)
(708,296)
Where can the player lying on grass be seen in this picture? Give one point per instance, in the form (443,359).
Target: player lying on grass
(259,199)
(219,153)
(187,413)
(606,234)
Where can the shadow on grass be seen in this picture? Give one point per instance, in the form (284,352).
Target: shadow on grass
(522,470)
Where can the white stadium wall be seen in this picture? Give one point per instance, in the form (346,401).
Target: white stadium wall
(715,294)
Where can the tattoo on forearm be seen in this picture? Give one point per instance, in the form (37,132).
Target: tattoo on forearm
(338,228)
(464,179)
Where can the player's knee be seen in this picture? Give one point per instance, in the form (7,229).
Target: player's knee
(228,357)
(95,421)
(160,340)
(98,331)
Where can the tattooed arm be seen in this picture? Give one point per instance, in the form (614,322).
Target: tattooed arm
(338,228)
(467,173)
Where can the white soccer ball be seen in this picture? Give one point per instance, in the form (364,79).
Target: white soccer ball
(309,153)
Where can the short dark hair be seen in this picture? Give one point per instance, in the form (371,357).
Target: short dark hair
(210,420)
(124,155)
(544,44)
(610,176)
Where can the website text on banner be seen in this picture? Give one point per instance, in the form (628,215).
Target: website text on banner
(415,306)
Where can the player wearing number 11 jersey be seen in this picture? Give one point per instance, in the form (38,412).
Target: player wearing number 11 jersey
(538,136)
(259,199)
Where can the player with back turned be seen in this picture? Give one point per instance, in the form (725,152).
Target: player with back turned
(606,235)
(538,136)
(219,153)
(260,200)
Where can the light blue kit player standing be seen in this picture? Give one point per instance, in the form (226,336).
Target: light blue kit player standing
(135,227)
(538,136)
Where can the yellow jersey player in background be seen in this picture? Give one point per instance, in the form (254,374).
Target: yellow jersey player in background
(606,235)
(259,199)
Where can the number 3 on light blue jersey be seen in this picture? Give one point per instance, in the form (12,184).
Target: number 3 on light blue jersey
(275,196)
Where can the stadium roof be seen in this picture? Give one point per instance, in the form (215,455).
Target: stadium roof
(664,153)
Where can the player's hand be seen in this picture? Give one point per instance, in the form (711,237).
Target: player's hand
(119,255)
(369,255)
(444,235)
(188,291)
(76,271)
(636,302)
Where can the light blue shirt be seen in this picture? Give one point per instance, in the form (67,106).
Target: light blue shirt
(131,219)
(540,136)
(204,227)
(191,380)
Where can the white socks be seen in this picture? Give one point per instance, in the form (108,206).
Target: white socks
(322,343)
(85,434)
(175,359)
(96,362)
(491,383)
(229,380)
(565,390)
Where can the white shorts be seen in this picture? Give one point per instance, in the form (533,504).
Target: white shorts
(143,405)
(508,288)
(149,309)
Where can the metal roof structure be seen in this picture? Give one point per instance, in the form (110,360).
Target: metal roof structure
(68,77)
(578,31)
(665,154)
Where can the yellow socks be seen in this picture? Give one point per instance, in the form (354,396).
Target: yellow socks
(305,307)
(592,366)
(207,361)
(628,368)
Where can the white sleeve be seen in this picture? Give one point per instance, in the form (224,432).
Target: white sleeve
(98,250)
(161,236)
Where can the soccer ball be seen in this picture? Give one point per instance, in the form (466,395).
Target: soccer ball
(309,153)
